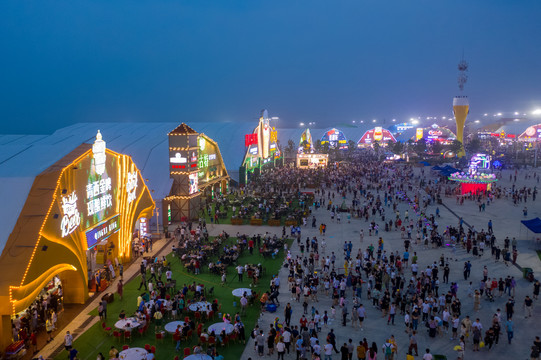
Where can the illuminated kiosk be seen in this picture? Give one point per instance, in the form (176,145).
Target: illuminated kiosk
(262,151)
(474,182)
(335,139)
(79,212)
(306,144)
(379,134)
(435,133)
(306,158)
(197,168)
(531,134)
(312,161)
(461,108)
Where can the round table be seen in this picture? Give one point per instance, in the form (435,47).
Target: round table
(172,326)
(132,354)
(218,327)
(198,357)
(240,291)
(200,306)
(123,324)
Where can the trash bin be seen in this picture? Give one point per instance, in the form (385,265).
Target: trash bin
(526,271)
(440,357)
(271,308)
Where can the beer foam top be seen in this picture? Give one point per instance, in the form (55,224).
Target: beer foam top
(460,101)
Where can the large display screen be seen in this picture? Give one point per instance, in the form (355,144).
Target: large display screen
(194,183)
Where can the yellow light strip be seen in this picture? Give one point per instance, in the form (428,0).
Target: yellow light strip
(41,280)
(183,148)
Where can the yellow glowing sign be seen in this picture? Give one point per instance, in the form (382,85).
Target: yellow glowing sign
(419,134)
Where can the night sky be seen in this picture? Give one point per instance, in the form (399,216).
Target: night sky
(328,61)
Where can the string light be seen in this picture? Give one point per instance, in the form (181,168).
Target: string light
(74,244)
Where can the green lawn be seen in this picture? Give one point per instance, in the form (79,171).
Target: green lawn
(95,340)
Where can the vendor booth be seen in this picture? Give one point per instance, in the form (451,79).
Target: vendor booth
(78,219)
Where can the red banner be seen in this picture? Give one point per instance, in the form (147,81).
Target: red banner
(250,139)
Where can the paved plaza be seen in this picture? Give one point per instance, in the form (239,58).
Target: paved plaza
(506,222)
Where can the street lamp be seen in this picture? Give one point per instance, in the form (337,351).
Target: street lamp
(157,221)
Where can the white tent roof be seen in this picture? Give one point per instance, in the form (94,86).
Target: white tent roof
(23,157)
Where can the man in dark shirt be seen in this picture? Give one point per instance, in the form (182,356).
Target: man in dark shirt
(344,352)
(528,302)
(509,308)
(73,354)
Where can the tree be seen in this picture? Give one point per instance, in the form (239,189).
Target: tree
(376,147)
(318,147)
(398,148)
(290,149)
(325,148)
(474,145)
(351,146)
(437,147)
(456,146)
(420,146)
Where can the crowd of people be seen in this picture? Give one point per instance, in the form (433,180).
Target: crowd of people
(370,280)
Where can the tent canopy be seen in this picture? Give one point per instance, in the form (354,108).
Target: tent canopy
(534,225)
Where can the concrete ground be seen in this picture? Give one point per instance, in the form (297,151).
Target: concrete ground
(506,222)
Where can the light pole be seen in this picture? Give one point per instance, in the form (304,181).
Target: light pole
(157,222)
(535,159)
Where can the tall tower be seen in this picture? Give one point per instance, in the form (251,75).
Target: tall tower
(184,198)
(461,105)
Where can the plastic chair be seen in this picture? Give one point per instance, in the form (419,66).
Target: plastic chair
(187,351)
(187,319)
(127,335)
(106,328)
(117,335)
(142,330)
(197,316)
(203,340)
(147,347)
(226,340)
(125,347)
(212,340)
(159,336)
(189,335)
(153,349)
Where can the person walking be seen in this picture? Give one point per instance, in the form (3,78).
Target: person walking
(68,341)
(509,326)
(528,307)
(120,288)
(281,348)
(143,281)
(413,343)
